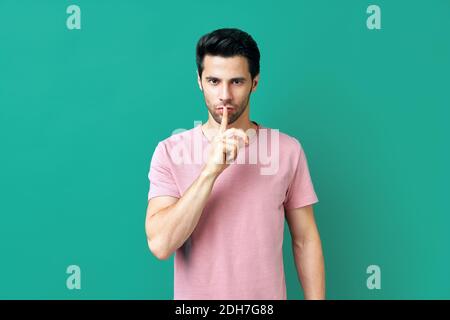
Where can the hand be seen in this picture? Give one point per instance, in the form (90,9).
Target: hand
(224,146)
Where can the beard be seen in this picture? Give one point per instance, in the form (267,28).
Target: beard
(238,110)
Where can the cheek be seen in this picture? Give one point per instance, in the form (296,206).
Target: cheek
(210,91)
(209,97)
(210,94)
(242,94)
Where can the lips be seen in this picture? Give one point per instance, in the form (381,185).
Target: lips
(221,108)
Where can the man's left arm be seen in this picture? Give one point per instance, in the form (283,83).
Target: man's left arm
(307,248)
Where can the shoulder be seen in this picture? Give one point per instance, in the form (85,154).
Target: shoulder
(179,137)
(288,144)
(286,148)
(178,147)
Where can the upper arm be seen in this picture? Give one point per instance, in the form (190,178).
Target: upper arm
(155,205)
(302,224)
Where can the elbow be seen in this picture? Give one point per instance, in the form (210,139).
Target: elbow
(157,243)
(161,255)
(157,250)
(311,242)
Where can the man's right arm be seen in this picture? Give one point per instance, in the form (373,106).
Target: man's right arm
(170,221)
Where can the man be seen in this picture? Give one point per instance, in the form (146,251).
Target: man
(223,216)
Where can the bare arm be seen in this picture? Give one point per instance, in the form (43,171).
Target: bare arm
(170,221)
(307,248)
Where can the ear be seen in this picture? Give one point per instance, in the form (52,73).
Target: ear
(199,81)
(255,82)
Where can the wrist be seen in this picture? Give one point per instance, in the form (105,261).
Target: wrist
(209,174)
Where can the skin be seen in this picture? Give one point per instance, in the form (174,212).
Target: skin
(226,82)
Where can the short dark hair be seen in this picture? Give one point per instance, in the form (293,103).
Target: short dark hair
(228,42)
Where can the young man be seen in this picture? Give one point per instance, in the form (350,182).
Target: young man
(223,213)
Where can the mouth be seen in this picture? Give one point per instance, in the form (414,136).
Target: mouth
(220,109)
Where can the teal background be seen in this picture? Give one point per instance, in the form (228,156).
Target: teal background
(81,112)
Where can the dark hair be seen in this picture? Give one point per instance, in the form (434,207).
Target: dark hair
(228,42)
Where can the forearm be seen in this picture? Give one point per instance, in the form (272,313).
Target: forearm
(310,268)
(169,228)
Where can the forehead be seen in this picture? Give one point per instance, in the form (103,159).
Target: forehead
(225,67)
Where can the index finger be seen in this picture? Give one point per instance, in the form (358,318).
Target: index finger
(223,124)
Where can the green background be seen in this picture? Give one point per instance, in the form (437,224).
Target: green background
(81,112)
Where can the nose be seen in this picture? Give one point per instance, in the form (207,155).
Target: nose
(225,94)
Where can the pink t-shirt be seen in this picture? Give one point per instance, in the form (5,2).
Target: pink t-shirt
(235,251)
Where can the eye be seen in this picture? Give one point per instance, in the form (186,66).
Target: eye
(213,81)
(237,81)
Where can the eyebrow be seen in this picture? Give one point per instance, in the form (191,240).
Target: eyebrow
(232,79)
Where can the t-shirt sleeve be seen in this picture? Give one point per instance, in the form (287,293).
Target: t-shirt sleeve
(160,176)
(300,192)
